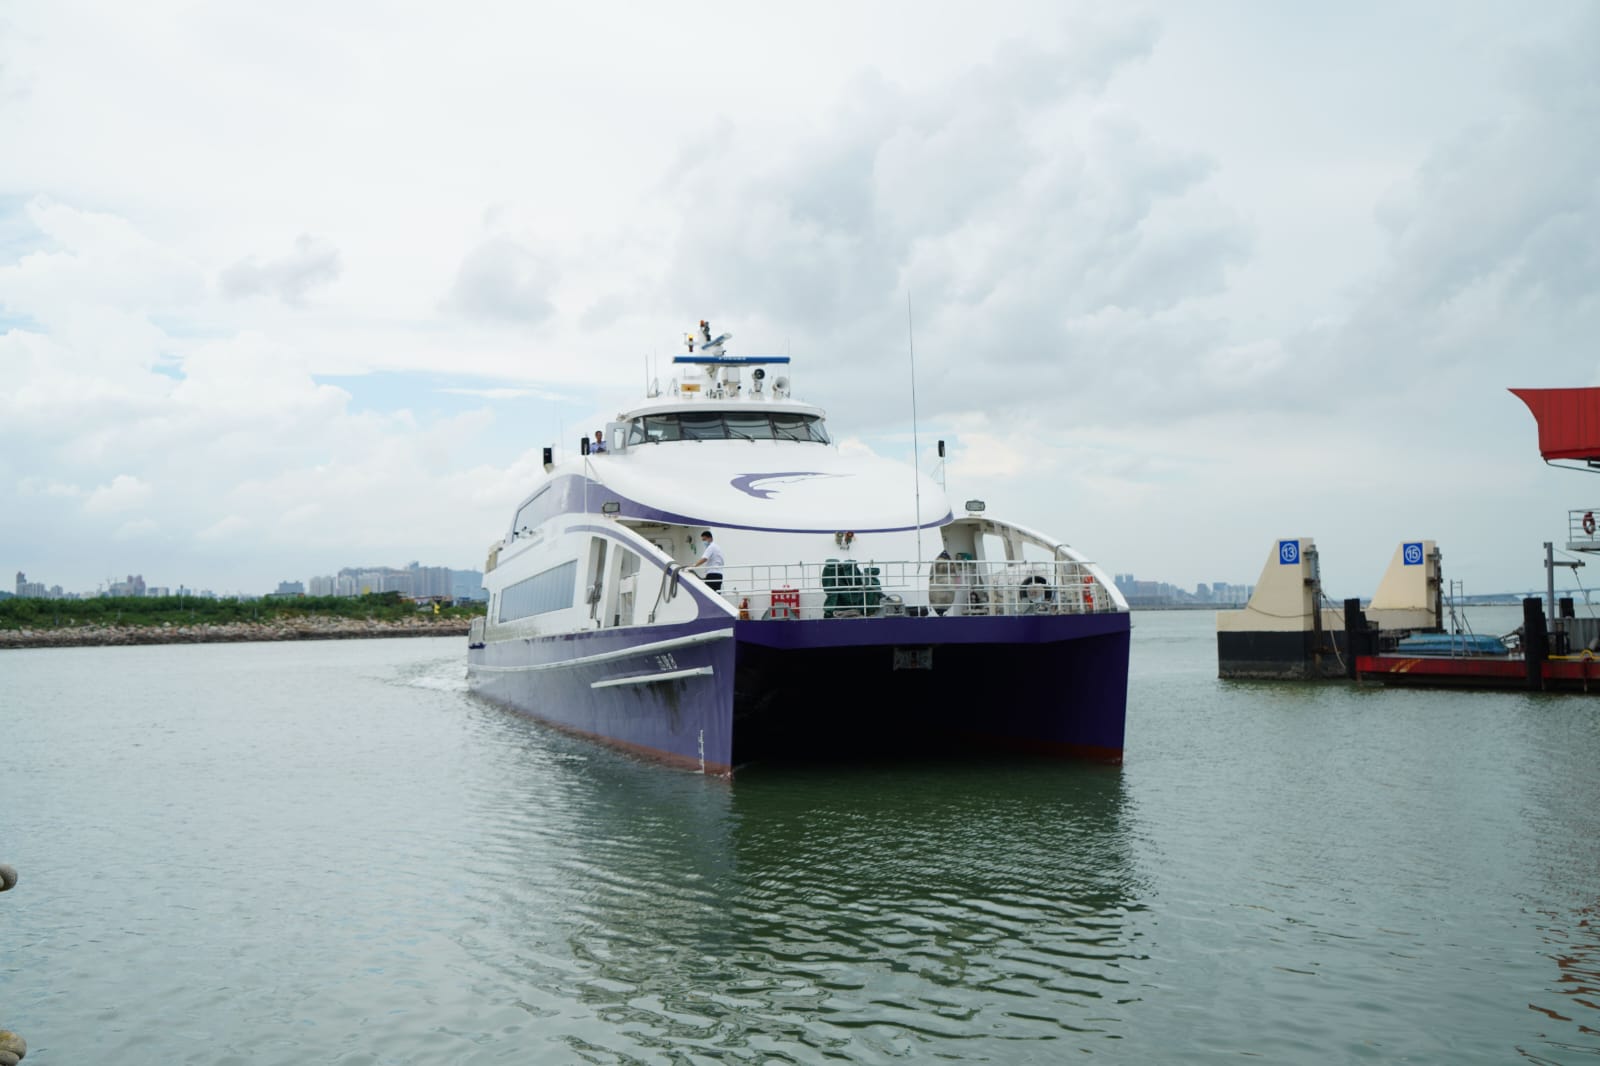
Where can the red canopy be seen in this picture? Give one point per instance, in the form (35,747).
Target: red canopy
(1569,421)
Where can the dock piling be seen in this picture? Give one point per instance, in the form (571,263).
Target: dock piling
(1535,642)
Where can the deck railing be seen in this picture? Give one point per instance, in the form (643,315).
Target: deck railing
(1583,529)
(852,588)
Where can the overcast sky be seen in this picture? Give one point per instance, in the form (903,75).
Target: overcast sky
(290,287)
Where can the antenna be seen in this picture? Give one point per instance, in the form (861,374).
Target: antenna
(916,470)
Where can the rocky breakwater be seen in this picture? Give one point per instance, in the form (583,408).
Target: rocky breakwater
(229,632)
(12,1047)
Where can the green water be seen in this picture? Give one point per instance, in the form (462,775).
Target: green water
(328,852)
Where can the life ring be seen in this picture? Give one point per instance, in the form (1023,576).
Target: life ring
(1036,590)
(1588,522)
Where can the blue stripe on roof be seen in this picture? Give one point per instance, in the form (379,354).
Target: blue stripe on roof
(730,360)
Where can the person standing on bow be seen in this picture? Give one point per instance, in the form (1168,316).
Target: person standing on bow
(711,559)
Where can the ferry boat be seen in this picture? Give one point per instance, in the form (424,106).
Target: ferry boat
(857,613)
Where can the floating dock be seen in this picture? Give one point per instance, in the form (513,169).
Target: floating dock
(1290,631)
(1561,658)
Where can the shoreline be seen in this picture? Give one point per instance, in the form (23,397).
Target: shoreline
(100,636)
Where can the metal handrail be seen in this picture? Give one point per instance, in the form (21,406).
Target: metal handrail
(854,588)
(1583,529)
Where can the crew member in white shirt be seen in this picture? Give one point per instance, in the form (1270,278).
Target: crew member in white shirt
(711,559)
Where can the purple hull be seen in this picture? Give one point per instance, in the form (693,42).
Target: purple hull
(717,693)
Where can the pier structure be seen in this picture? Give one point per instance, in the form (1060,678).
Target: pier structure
(1290,630)
(1553,649)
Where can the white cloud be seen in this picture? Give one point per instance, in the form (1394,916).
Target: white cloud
(35,486)
(504,393)
(96,262)
(314,263)
(138,529)
(224,528)
(123,493)
(504,280)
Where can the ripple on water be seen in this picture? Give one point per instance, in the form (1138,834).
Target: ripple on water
(329,853)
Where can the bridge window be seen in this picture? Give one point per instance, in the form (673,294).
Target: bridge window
(726,425)
(799,427)
(747,425)
(703,425)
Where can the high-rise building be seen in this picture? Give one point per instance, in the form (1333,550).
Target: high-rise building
(134,586)
(467,585)
(414,580)
(429,580)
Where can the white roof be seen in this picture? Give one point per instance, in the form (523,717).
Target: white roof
(771,484)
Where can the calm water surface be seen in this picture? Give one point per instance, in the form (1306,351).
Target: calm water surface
(328,852)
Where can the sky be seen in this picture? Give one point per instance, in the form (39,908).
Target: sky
(291,287)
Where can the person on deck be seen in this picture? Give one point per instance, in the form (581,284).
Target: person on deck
(711,559)
(599,444)
(942,584)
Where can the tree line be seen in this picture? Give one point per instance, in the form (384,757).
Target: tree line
(26,612)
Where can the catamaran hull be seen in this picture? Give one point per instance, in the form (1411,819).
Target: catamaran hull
(711,695)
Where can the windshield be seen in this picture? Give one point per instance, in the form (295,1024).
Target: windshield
(726,425)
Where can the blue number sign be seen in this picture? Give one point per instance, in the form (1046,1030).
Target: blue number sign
(1289,552)
(1411,553)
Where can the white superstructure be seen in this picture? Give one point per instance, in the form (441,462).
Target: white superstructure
(728,448)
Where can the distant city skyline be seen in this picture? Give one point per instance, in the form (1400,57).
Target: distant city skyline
(467,584)
(413,580)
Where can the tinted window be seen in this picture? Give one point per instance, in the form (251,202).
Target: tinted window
(703,425)
(745,425)
(799,427)
(726,425)
(536,511)
(661,427)
(548,591)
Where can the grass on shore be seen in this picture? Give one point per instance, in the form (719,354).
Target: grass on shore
(23,612)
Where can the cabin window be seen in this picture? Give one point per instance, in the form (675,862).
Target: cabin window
(703,425)
(799,427)
(531,515)
(744,425)
(726,425)
(546,591)
(660,427)
(995,548)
